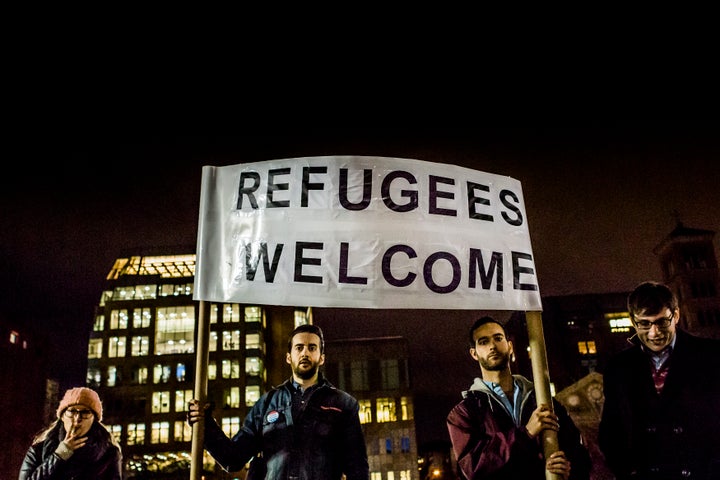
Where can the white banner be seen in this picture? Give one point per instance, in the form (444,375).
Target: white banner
(364,232)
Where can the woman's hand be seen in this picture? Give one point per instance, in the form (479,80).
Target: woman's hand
(73,442)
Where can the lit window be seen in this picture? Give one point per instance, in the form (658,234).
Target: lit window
(95,348)
(252,341)
(160,402)
(253,314)
(112,376)
(212,347)
(232,397)
(365,411)
(253,366)
(386,410)
(587,347)
(231,340)
(116,347)
(99,324)
(143,292)
(116,431)
(230,425)
(160,432)
(175,328)
(141,317)
(139,346)
(406,410)
(619,322)
(136,434)
(93,377)
(14,337)
(300,318)
(230,368)
(183,431)
(182,397)
(140,375)
(231,313)
(118,319)
(161,373)
(252,395)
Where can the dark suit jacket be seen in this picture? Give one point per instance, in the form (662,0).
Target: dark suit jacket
(671,435)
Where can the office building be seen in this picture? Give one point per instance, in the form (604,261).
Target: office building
(376,371)
(142,360)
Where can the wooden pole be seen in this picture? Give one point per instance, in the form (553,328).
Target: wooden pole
(541,379)
(201,388)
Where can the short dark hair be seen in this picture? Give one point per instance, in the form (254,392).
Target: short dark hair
(650,298)
(307,328)
(479,323)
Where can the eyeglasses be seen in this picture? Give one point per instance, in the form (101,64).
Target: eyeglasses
(84,414)
(660,323)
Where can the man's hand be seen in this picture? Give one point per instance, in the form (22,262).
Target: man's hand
(541,419)
(558,464)
(195,413)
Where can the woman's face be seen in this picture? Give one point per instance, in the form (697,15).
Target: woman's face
(78,419)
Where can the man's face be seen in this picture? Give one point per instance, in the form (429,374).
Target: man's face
(305,357)
(656,331)
(492,349)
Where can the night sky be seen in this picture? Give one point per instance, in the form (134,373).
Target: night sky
(598,201)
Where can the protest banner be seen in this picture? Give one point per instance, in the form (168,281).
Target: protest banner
(364,232)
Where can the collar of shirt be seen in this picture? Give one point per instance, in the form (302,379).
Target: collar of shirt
(302,391)
(512,408)
(658,358)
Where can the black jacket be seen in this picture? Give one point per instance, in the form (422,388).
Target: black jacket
(671,435)
(322,442)
(99,459)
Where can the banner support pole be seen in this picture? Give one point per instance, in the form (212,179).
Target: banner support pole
(541,379)
(201,388)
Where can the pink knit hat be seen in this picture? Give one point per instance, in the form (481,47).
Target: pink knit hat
(84,396)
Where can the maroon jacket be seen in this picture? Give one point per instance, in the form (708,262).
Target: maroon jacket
(488,444)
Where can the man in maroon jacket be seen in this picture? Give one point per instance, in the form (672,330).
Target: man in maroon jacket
(495,430)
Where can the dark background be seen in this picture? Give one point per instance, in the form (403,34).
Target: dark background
(598,201)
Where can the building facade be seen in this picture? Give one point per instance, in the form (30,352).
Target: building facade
(690,267)
(142,361)
(30,395)
(376,371)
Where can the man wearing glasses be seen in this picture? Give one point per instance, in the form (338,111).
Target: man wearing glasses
(661,416)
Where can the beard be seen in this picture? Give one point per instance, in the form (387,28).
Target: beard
(499,363)
(306,374)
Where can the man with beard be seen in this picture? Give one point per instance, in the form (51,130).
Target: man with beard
(305,428)
(495,430)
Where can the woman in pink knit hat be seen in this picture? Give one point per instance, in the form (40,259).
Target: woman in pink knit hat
(75,446)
